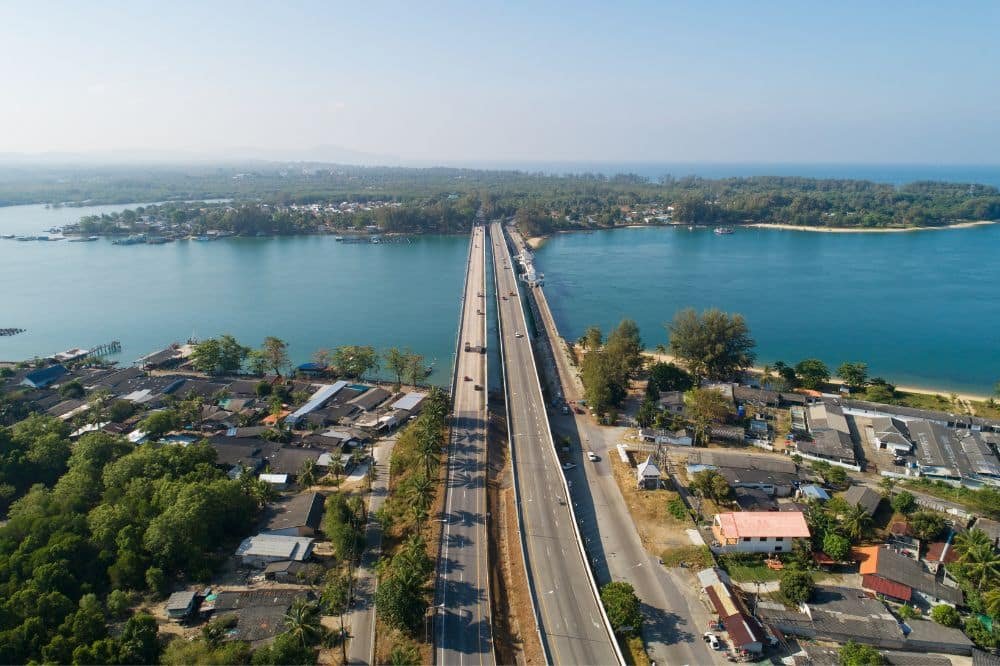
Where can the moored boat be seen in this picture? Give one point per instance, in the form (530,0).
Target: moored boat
(722,231)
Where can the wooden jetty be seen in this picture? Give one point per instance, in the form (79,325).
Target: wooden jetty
(112,347)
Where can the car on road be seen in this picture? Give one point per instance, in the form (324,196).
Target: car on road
(565,409)
(592,457)
(568,466)
(518,334)
(712,640)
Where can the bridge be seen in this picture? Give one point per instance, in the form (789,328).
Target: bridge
(463,632)
(572,625)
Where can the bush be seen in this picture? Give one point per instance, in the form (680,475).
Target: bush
(907,612)
(677,509)
(903,502)
(623,608)
(796,586)
(836,546)
(946,616)
(854,654)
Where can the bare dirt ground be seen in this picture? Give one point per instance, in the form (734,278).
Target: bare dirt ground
(649,510)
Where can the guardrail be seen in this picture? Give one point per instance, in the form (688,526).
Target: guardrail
(562,478)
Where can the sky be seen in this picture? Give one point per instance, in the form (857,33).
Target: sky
(440,82)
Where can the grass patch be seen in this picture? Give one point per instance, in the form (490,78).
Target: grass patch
(699,557)
(745,569)
(676,508)
(984,500)
(936,402)
(634,651)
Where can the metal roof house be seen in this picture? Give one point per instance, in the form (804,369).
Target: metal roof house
(648,474)
(180,605)
(44,376)
(262,549)
(410,402)
(317,400)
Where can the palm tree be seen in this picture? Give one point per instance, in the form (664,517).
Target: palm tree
(979,562)
(336,468)
(420,492)
(887,484)
(307,475)
(302,622)
(856,522)
(991,602)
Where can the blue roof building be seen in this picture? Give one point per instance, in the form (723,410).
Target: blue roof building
(43,377)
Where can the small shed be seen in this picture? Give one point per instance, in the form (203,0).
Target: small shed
(180,605)
(278,481)
(813,492)
(648,474)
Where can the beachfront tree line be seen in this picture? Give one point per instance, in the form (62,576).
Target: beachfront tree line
(225,355)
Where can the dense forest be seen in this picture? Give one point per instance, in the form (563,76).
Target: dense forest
(277,199)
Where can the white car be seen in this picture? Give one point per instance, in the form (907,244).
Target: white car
(592,457)
(518,334)
(712,640)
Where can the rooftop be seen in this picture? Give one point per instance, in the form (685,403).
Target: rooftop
(788,524)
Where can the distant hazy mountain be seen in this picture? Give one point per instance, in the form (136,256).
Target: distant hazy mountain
(240,154)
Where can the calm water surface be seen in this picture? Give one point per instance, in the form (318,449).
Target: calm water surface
(922,308)
(311,291)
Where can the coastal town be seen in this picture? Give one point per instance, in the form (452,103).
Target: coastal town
(789,517)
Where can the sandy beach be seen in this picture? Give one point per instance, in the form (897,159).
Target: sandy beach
(836,380)
(859,230)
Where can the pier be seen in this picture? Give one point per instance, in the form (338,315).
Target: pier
(112,347)
(7,332)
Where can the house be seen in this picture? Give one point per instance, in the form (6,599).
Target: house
(842,614)
(813,492)
(727,433)
(165,358)
(411,402)
(299,516)
(674,438)
(754,499)
(290,460)
(317,400)
(756,397)
(371,399)
(831,435)
(891,433)
(260,550)
(648,474)
(43,377)
(863,496)
(938,555)
(671,402)
(991,528)
(276,481)
(180,605)
(775,476)
(260,613)
(759,531)
(284,571)
(886,572)
(745,633)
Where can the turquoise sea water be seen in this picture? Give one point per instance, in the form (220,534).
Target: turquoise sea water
(311,291)
(922,308)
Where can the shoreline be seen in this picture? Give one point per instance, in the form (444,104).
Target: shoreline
(972,397)
(866,230)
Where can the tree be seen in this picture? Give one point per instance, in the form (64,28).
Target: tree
(416,369)
(355,360)
(302,622)
(404,655)
(669,377)
(257,363)
(593,338)
(647,413)
(400,602)
(224,355)
(623,607)
(158,424)
(812,373)
(926,525)
(138,643)
(395,362)
(855,522)
(625,345)
(307,473)
(855,375)
(713,344)
(903,502)
(796,585)
(705,407)
(709,483)
(946,615)
(275,354)
(855,654)
(284,650)
(882,393)
(836,546)
(72,390)
(977,560)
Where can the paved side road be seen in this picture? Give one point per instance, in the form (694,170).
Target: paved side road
(675,617)
(361,619)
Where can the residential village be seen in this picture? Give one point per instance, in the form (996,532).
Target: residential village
(305,438)
(789,476)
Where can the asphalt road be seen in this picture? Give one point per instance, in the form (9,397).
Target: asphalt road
(570,618)
(674,616)
(361,618)
(462,629)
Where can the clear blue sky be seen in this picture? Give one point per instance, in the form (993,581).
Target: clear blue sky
(435,81)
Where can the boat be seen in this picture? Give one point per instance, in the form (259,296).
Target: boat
(157,240)
(690,227)
(134,239)
(83,239)
(7,236)
(338,238)
(723,231)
